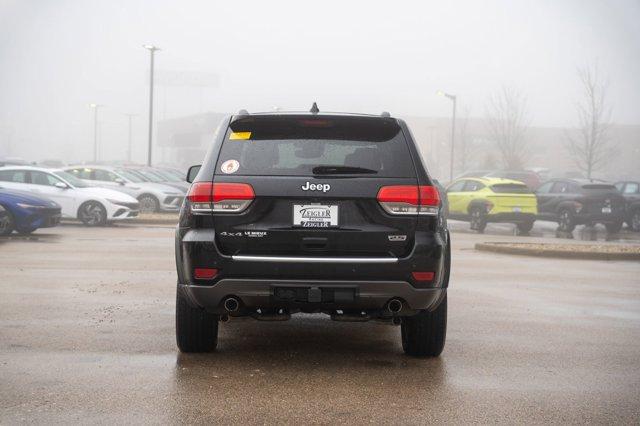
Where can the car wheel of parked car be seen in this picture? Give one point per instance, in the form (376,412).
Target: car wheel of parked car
(525,227)
(614,227)
(7,223)
(424,334)
(566,221)
(478,219)
(196,329)
(92,213)
(634,221)
(148,203)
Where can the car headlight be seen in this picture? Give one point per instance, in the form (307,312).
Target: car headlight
(30,206)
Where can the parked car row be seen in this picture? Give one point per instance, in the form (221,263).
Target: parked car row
(569,202)
(154,193)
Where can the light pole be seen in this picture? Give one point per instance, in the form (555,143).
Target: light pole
(453,98)
(95,130)
(152,50)
(130,116)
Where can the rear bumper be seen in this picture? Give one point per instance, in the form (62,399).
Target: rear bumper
(583,218)
(512,217)
(254,279)
(366,295)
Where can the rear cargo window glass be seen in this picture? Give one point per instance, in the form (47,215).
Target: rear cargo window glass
(510,188)
(631,188)
(303,146)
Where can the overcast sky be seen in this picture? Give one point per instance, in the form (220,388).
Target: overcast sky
(56,57)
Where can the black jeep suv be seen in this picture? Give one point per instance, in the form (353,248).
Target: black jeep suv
(572,202)
(309,212)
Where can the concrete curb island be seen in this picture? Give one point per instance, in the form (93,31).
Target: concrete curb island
(564,251)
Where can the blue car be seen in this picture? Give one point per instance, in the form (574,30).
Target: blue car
(24,213)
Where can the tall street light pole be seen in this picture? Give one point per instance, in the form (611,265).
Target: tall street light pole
(129,146)
(152,50)
(95,130)
(453,99)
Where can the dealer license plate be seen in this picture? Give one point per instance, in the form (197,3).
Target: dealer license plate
(315,215)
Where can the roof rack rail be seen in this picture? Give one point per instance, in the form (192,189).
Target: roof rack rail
(385,114)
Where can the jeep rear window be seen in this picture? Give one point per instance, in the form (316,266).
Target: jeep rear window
(510,188)
(297,145)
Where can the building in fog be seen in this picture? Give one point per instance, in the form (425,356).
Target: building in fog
(184,141)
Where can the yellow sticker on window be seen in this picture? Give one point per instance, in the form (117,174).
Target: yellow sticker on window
(236,136)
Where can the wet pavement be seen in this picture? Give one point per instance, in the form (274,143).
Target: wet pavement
(87,336)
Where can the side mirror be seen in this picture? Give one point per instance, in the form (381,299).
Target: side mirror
(192,173)
(61,185)
(119,181)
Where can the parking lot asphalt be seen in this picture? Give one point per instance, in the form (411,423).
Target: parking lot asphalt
(87,336)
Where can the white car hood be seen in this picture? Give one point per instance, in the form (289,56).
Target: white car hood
(108,194)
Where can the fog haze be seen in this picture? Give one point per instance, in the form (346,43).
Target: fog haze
(57,57)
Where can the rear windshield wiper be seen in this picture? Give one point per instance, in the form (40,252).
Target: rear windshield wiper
(333,170)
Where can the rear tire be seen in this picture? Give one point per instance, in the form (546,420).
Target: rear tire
(614,227)
(525,227)
(566,221)
(634,220)
(424,334)
(7,223)
(478,220)
(196,329)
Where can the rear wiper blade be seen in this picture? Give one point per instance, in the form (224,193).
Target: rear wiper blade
(331,170)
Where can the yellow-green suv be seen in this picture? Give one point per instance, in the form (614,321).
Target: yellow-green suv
(483,200)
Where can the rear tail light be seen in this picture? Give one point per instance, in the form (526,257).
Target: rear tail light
(207,197)
(409,199)
(205,273)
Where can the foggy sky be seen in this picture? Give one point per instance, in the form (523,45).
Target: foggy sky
(56,57)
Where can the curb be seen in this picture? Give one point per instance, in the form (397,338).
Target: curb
(502,248)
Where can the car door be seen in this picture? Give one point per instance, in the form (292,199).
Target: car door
(456,197)
(106,179)
(545,200)
(14,179)
(44,184)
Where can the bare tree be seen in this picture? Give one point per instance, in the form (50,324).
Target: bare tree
(591,146)
(507,121)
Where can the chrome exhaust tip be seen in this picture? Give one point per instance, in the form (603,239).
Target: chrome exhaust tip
(394,306)
(231,304)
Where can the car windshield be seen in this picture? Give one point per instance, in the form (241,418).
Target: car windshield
(166,176)
(150,175)
(133,177)
(74,181)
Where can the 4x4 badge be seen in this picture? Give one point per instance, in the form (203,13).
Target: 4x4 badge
(324,187)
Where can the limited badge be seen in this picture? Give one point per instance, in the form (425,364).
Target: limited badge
(230,166)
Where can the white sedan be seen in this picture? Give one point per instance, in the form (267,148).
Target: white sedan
(93,206)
